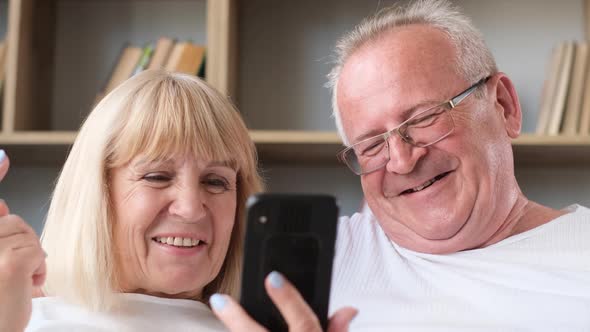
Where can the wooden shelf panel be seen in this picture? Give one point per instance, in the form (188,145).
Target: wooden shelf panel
(294,137)
(38,138)
(302,147)
(535,140)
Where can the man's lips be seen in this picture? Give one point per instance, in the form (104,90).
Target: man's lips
(424,185)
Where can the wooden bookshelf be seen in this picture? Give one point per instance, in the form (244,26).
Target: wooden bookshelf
(28,135)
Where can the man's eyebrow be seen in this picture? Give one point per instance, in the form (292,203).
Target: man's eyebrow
(406,114)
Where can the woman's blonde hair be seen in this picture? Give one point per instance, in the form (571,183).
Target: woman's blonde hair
(155,113)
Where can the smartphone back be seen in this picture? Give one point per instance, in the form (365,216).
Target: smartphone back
(293,234)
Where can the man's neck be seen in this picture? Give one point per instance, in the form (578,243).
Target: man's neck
(525,215)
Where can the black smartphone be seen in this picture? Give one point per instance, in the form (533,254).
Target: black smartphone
(293,234)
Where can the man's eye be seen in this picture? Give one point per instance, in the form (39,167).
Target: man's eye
(373,148)
(426,120)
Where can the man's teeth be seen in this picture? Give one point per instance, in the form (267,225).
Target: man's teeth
(424,185)
(178,241)
(427,183)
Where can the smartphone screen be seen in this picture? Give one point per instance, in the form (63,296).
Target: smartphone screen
(294,235)
(297,258)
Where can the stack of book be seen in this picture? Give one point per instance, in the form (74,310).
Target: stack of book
(565,100)
(3,53)
(184,57)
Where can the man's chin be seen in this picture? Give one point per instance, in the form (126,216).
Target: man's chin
(435,237)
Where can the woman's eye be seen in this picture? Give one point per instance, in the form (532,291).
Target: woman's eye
(216,185)
(156,177)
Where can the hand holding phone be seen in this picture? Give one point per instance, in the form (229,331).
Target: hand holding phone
(294,235)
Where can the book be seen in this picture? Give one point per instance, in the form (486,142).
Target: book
(186,57)
(162,51)
(584,123)
(127,63)
(561,91)
(201,72)
(3,52)
(573,107)
(145,58)
(548,92)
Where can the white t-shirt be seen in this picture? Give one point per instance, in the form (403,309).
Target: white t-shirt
(139,313)
(538,280)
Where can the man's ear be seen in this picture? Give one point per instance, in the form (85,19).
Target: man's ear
(507,104)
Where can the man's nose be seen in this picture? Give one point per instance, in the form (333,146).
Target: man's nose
(188,204)
(403,156)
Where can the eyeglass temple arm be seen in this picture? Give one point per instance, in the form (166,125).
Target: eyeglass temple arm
(467,92)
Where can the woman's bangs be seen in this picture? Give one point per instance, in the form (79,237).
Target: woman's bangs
(172,127)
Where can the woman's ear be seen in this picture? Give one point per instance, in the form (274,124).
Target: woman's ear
(507,104)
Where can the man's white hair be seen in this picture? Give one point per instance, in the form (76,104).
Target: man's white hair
(474,59)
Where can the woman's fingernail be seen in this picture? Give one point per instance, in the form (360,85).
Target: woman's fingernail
(217,301)
(2,155)
(276,279)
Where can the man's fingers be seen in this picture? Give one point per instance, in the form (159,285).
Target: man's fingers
(341,319)
(232,315)
(4,164)
(295,311)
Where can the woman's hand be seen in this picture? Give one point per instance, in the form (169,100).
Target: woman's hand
(22,265)
(295,311)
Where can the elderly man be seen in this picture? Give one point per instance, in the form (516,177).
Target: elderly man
(452,242)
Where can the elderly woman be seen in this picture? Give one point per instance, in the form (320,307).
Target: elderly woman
(145,222)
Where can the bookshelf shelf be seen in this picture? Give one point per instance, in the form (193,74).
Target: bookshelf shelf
(38,138)
(296,147)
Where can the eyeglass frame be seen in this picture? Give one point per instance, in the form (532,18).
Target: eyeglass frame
(448,106)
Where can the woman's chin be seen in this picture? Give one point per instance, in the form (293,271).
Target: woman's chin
(176,293)
(180,287)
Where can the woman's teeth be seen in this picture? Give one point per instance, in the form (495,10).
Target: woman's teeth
(178,241)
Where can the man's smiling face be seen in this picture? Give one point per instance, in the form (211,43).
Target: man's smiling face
(449,196)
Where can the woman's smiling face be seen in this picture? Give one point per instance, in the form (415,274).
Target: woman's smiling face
(173,223)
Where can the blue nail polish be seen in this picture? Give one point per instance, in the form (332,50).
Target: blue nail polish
(276,279)
(217,301)
(2,155)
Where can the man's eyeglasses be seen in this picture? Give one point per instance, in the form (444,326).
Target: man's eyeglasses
(422,129)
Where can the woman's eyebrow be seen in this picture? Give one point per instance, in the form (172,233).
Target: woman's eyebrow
(144,162)
(222,163)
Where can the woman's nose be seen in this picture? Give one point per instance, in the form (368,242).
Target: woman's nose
(188,204)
